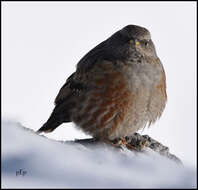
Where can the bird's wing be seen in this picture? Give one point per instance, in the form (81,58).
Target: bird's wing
(64,91)
(63,103)
(69,89)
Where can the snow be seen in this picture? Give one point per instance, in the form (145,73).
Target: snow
(46,163)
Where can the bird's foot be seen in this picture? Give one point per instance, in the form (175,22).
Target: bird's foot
(133,143)
(112,143)
(121,143)
(118,143)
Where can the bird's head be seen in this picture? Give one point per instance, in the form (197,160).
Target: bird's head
(126,44)
(131,40)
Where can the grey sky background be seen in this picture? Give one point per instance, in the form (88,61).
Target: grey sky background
(43,41)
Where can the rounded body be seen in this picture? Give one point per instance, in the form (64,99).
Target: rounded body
(124,97)
(118,87)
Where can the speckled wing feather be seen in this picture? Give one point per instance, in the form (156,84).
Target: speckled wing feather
(65,91)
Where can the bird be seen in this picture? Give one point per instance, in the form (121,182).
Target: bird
(118,88)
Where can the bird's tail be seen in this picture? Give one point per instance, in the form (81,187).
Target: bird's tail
(51,124)
(48,127)
(58,116)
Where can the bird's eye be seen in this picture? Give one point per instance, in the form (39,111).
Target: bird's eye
(137,42)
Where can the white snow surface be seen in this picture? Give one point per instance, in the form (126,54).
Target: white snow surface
(53,164)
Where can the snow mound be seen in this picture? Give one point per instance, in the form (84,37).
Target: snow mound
(33,161)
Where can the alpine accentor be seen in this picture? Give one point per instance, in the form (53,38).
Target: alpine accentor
(118,88)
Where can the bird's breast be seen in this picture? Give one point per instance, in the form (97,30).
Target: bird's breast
(142,75)
(121,101)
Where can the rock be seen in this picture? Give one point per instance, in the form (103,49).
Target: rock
(136,142)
